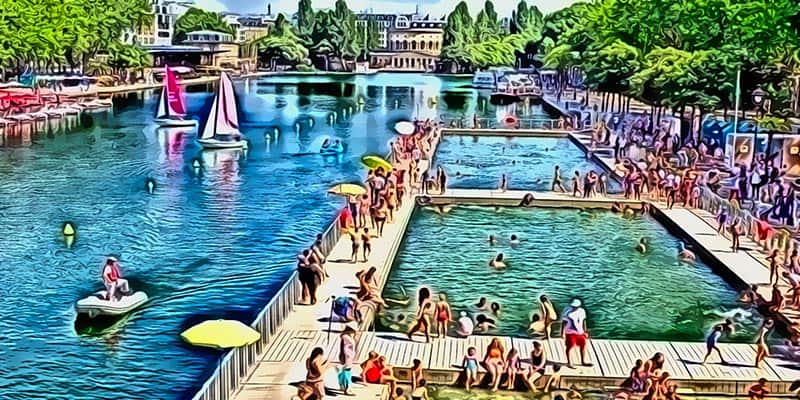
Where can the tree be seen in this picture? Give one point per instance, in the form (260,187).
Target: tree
(282,44)
(196,19)
(305,20)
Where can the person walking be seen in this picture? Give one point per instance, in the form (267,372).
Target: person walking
(347,356)
(557,181)
(711,344)
(574,331)
(762,350)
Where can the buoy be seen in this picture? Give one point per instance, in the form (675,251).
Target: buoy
(150,185)
(68,229)
(361,100)
(69,241)
(196,164)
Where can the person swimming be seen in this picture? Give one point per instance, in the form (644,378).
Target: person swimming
(497,261)
(484,324)
(642,246)
(492,240)
(685,254)
(616,207)
(514,239)
(495,307)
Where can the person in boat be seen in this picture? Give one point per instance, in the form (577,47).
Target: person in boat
(112,278)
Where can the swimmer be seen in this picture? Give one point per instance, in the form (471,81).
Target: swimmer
(441,210)
(537,326)
(616,207)
(514,239)
(495,308)
(484,324)
(481,305)
(642,246)
(628,212)
(492,240)
(685,254)
(497,261)
(458,174)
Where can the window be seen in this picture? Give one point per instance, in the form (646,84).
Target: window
(422,45)
(163,34)
(413,45)
(405,44)
(430,44)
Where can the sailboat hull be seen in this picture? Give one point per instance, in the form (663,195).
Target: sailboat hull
(222,144)
(175,122)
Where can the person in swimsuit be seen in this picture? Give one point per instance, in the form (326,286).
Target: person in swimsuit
(494,363)
(347,357)
(538,363)
(513,366)
(421,392)
(495,307)
(557,181)
(422,322)
(391,203)
(416,373)
(356,239)
(443,316)
(711,344)
(470,366)
(736,231)
(315,366)
(576,184)
(481,304)
(484,324)
(363,211)
(497,261)
(367,244)
(548,313)
(762,350)
(381,213)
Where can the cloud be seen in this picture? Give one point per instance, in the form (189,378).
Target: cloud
(214,5)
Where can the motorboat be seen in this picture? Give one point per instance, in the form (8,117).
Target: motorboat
(221,130)
(171,108)
(97,304)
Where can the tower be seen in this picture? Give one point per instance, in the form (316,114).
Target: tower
(269,8)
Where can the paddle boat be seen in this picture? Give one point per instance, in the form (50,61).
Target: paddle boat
(221,130)
(98,304)
(171,108)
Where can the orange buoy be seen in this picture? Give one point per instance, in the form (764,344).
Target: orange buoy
(510,121)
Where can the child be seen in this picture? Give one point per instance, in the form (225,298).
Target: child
(512,367)
(416,373)
(470,365)
(554,382)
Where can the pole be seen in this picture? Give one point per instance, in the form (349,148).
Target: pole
(736,115)
(330,319)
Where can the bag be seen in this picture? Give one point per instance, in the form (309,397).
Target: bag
(341,306)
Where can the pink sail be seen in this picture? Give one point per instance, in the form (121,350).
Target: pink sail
(223,119)
(174,94)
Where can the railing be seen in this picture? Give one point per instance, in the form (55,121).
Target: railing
(493,123)
(237,363)
(780,239)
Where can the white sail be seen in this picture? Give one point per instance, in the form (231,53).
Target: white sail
(223,119)
(162,104)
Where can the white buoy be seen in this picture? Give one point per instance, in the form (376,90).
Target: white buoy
(150,185)
(68,229)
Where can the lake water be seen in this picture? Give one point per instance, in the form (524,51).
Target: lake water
(212,243)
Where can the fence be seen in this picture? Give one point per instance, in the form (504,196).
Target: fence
(493,123)
(778,239)
(237,363)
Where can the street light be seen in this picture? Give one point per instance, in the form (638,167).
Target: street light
(758,97)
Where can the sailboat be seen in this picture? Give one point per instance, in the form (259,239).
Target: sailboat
(171,110)
(222,125)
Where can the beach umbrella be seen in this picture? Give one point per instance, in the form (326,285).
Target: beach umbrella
(221,334)
(347,189)
(375,162)
(405,128)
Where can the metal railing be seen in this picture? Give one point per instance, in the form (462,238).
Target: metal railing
(780,239)
(493,123)
(237,363)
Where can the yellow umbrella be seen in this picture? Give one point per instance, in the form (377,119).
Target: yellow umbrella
(347,189)
(375,162)
(221,334)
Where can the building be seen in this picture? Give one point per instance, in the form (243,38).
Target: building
(219,49)
(384,21)
(159,27)
(413,43)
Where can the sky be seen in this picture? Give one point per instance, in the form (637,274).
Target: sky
(432,7)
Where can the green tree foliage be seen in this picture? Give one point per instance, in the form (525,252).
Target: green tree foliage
(196,19)
(305,19)
(56,35)
(282,44)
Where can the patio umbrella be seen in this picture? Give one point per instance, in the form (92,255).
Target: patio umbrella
(375,162)
(347,189)
(221,334)
(404,128)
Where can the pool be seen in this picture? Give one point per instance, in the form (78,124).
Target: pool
(212,243)
(528,162)
(564,253)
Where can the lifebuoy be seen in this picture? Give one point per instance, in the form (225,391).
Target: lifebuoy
(510,121)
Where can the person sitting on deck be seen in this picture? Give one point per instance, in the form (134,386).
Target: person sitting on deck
(112,278)
(758,390)
(368,289)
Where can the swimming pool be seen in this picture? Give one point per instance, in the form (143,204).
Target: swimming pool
(212,243)
(528,162)
(563,253)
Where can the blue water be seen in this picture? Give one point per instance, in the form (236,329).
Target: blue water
(528,163)
(566,254)
(212,243)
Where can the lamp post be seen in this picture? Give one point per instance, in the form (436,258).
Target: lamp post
(757,97)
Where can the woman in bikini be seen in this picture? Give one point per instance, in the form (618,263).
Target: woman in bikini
(443,316)
(513,366)
(367,244)
(381,213)
(762,350)
(493,362)
(363,211)
(422,323)
(315,366)
(391,202)
(356,239)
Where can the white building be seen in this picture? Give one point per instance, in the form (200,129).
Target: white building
(160,27)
